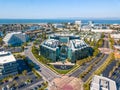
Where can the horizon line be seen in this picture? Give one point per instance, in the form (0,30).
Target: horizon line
(113,18)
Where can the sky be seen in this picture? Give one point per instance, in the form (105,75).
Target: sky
(37,9)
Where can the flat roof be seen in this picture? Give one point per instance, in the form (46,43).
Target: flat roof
(115,35)
(102,83)
(6,57)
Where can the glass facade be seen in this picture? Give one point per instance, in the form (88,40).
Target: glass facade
(64,39)
(8,68)
(65,47)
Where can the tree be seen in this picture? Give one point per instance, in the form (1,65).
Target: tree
(35,50)
(112,42)
(31,65)
(92,43)
(68,59)
(24,72)
(118,41)
(86,41)
(25,44)
(15,83)
(1,41)
(96,51)
(22,48)
(102,36)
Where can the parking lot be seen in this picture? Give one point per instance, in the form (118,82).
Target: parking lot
(115,75)
(13,49)
(106,72)
(20,82)
(25,79)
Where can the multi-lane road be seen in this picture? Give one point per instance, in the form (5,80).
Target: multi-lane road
(49,75)
(95,68)
(83,68)
(45,72)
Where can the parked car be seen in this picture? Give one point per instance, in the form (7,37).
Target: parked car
(1,83)
(4,88)
(39,86)
(15,78)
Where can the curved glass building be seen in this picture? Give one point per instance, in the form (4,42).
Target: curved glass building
(60,47)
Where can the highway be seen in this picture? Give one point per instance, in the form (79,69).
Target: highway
(45,72)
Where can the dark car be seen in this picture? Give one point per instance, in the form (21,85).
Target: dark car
(39,86)
(1,83)
(15,78)
(5,81)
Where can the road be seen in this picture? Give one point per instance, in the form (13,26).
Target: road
(34,85)
(45,72)
(81,69)
(95,68)
(49,75)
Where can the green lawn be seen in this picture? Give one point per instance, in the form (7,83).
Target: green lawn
(46,61)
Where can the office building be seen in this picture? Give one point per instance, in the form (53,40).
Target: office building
(102,83)
(60,47)
(8,65)
(15,38)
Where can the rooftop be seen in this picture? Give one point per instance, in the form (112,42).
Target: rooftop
(51,43)
(6,57)
(63,34)
(9,35)
(78,44)
(102,83)
(116,36)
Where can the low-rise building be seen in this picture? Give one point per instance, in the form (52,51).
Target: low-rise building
(90,36)
(102,83)
(59,26)
(103,30)
(115,36)
(8,65)
(85,28)
(78,22)
(15,38)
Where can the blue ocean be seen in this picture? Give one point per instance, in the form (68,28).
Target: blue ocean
(33,21)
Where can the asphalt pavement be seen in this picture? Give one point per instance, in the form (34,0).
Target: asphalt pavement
(45,72)
(84,67)
(81,69)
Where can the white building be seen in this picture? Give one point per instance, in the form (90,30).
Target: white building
(86,28)
(103,30)
(15,38)
(78,22)
(78,25)
(91,23)
(102,83)
(8,65)
(115,36)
